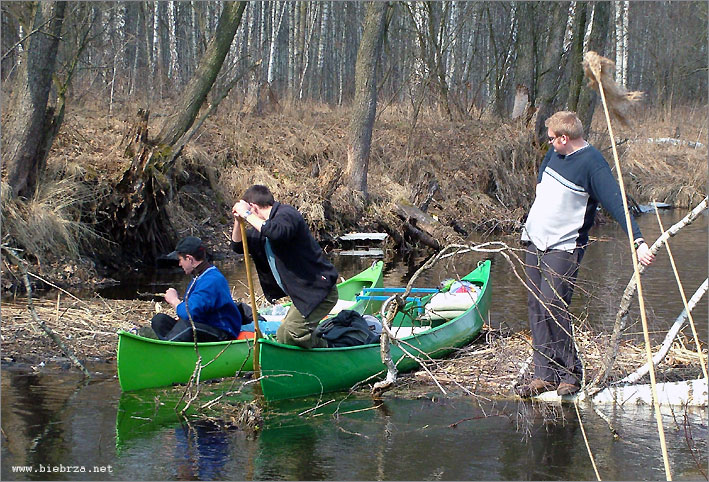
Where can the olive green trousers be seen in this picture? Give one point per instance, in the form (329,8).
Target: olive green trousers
(298,330)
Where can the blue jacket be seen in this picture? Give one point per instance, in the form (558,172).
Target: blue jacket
(209,300)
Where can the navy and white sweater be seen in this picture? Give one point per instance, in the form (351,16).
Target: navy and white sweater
(569,189)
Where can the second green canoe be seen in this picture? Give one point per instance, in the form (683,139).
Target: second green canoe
(293,372)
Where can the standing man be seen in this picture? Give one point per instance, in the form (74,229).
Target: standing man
(573,178)
(207,300)
(289,262)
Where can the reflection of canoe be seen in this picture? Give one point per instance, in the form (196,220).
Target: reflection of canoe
(147,362)
(291,372)
(142,414)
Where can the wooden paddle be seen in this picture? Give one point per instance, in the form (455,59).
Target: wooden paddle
(252,295)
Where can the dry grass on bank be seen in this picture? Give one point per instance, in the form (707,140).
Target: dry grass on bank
(496,363)
(663,154)
(88,328)
(485,170)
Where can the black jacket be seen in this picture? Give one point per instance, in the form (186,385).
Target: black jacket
(306,275)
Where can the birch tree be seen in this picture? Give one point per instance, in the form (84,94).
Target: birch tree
(276,22)
(621,42)
(597,41)
(172,70)
(549,76)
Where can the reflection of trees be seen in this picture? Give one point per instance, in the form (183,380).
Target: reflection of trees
(50,421)
(550,443)
(291,450)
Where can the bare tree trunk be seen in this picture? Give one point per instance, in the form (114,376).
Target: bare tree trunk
(549,77)
(28,115)
(365,103)
(322,43)
(201,83)
(172,70)
(621,42)
(275,29)
(596,42)
(139,220)
(576,60)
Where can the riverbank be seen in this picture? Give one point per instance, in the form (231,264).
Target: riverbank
(466,178)
(493,363)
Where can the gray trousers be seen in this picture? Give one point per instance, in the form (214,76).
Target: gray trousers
(551,276)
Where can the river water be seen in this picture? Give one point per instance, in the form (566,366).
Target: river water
(63,428)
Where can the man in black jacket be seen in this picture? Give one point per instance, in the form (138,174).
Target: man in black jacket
(289,262)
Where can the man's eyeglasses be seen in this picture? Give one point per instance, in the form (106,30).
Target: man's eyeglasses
(552,139)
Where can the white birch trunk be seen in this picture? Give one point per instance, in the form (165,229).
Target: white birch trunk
(568,34)
(172,72)
(621,35)
(314,12)
(324,29)
(156,39)
(275,29)
(451,57)
(626,5)
(591,11)
(193,32)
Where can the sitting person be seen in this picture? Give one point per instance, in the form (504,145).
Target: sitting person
(207,300)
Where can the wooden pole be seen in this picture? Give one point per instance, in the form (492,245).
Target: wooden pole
(252,296)
(636,270)
(684,298)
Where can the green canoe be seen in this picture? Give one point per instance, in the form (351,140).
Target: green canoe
(147,362)
(292,372)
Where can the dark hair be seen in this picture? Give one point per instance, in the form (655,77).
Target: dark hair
(258,195)
(199,254)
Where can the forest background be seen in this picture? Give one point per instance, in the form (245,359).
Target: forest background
(126,125)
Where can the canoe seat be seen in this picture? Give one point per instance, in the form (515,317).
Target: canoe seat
(404,331)
(341,305)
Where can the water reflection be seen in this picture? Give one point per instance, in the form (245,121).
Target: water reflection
(412,435)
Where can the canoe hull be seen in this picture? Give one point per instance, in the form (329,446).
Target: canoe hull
(146,362)
(292,372)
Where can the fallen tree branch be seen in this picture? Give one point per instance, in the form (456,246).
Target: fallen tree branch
(30,304)
(671,334)
(389,314)
(621,316)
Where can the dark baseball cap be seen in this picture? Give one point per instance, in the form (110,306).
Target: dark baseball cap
(189,245)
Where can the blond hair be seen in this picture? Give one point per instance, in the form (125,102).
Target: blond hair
(565,123)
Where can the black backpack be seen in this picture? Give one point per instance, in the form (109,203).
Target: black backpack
(348,328)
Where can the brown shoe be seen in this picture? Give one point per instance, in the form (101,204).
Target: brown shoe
(567,389)
(535,387)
